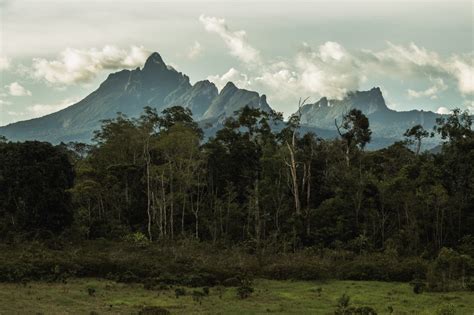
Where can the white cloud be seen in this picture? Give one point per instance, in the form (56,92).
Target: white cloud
(78,66)
(4,63)
(235,40)
(241,80)
(443,110)
(464,73)
(431,92)
(329,71)
(195,50)
(16,89)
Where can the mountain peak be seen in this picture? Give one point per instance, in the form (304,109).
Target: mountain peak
(154,61)
(230,86)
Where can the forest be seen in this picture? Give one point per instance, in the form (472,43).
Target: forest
(151,198)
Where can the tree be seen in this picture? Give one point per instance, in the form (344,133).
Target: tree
(357,131)
(417,133)
(34,182)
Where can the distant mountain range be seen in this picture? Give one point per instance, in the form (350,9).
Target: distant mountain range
(159,85)
(384,122)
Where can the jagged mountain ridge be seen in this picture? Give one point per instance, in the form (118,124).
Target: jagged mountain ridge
(384,121)
(159,85)
(128,91)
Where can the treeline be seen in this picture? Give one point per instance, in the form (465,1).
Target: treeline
(255,182)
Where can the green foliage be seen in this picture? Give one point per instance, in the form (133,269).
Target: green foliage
(34,182)
(245,289)
(179,292)
(154,310)
(447,309)
(418,286)
(273,202)
(343,301)
(449,271)
(138,238)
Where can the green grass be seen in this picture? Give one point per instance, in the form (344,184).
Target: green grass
(282,297)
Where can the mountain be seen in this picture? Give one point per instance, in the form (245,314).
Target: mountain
(384,122)
(128,91)
(159,85)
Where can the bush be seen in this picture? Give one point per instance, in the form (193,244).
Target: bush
(138,239)
(448,309)
(343,301)
(179,292)
(418,286)
(154,310)
(363,310)
(245,290)
(198,296)
(232,282)
(448,271)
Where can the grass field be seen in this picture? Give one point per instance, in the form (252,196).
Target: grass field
(281,297)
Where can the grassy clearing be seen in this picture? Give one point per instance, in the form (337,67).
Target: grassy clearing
(283,297)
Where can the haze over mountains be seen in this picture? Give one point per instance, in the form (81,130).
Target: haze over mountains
(159,85)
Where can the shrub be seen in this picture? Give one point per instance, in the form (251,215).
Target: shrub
(244,291)
(137,239)
(448,271)
(362,310)
(179,292)
(91,291)
(153,310)
(448,309)
(343,301)
(418,286)
(198,296)
(232,282)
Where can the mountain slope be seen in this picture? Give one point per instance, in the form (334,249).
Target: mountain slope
(128,91)
(384,122)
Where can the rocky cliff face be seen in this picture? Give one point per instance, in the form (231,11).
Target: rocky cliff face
(384,122)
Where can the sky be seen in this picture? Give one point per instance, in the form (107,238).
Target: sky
(420,53)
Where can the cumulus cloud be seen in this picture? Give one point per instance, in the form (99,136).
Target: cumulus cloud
(16,89)
(235,40)
(241,80)
(195,50)
(414,60)
(464,73)
(431,92)
(330,71)
(79,66)
(443,110)
(4,63)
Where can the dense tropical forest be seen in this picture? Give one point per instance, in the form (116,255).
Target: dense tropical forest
(152,199)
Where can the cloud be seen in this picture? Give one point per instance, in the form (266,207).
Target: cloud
(330,71)
(431,92)
(235,40)
(4,63)
(195,50)
(464,73)
(80,66)
(443,111)
(413,60)
(241,80)
(16,89)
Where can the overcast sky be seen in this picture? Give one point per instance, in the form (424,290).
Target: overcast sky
(420,53)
